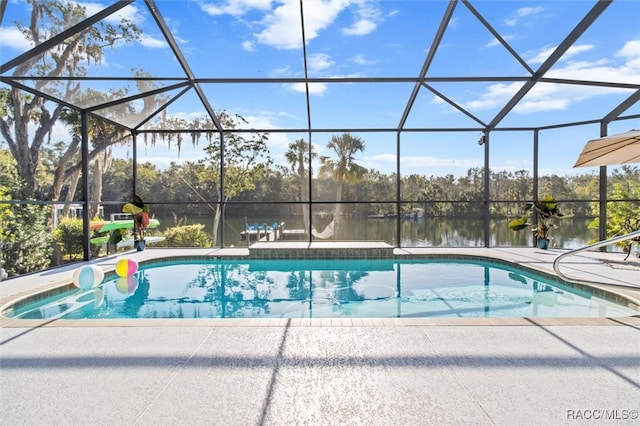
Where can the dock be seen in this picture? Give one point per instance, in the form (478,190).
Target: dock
(265,233)
(262,232)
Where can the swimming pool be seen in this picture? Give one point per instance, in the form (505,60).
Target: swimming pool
(416,288)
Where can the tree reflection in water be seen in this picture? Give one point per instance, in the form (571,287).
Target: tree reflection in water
(138,298)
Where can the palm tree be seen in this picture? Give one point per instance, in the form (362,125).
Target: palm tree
(343,168)
(299,154)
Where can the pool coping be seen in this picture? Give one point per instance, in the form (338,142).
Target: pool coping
(524,259)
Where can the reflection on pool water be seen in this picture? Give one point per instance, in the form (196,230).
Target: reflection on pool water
(324,288)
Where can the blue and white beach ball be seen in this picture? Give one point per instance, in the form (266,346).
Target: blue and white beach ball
(88,277)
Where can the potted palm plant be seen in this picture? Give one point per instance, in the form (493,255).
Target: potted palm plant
(546,212)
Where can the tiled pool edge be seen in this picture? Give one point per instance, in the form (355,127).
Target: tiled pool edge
(632,321)
(314,251)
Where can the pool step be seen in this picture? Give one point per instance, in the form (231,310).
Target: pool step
(321,250)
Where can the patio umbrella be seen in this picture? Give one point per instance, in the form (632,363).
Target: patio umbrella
(610,150)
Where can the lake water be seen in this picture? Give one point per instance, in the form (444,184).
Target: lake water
(428,232)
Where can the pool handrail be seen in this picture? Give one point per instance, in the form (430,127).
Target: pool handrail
(603,243)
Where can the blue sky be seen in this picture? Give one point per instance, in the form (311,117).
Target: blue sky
(349,38)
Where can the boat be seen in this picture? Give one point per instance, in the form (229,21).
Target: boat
(376,216)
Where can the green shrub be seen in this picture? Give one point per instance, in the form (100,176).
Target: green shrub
(68,237)
(623,217)
(27,244)
(186,236)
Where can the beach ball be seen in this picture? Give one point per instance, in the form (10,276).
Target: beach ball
(126,267)
(127,285)
(88,277)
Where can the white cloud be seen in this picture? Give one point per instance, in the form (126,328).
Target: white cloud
(361,60)
(600,71)
(385,163)
(627,71)
(526,11)
(235,7)
(576,50)
(129,12)
(631,53)
(367,19)
(631,49)
(265,120)
(314,88)
(494,96)
(280,25)
(13,38)
(280,72)
(543,97)
(248,46)
(556,97)
(539,104)
(544,53)
(361,27)
(319,62)
(152,42)
(494,41)
(522,13)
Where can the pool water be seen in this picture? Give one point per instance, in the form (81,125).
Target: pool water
(325,288)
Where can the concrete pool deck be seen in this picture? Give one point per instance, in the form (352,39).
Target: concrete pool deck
(387,371)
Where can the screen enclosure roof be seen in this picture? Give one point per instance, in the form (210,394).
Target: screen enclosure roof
(317,65)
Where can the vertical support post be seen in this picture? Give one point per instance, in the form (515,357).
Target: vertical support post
(602,228)
(310,196)
(398,192)
(536,175)
(602,203)
(223,215)
(486,195)
(221,205)
(134,174)
(308,103)
(84,153)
